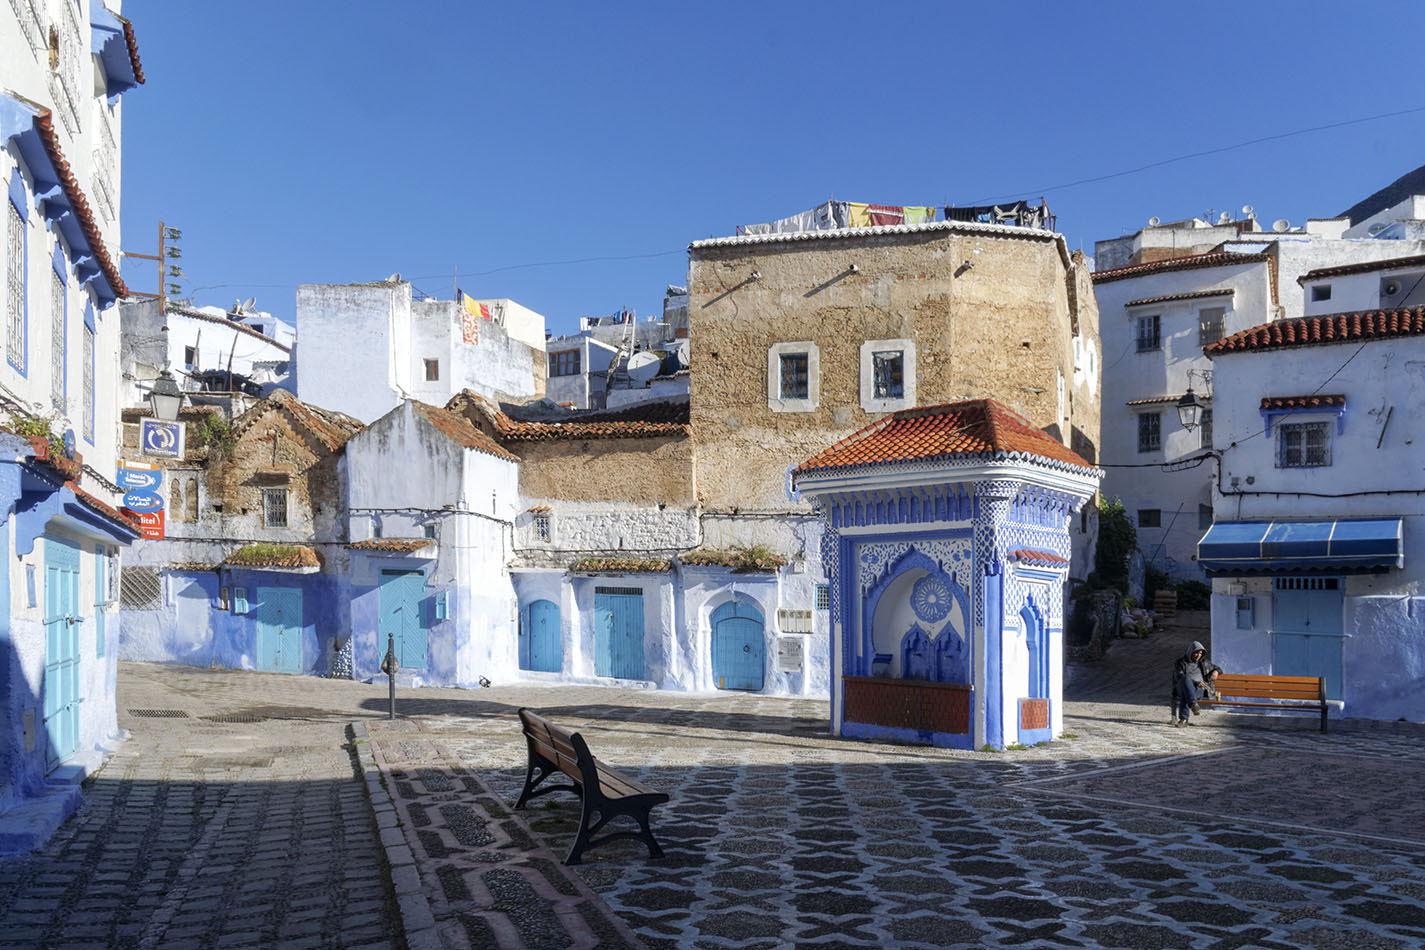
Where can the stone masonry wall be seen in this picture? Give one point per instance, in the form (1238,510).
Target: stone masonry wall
(629,471)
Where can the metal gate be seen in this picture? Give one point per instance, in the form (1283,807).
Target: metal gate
(279,630)
(400,596)
(540,649)
(618,632)
(739,647)
(62,621)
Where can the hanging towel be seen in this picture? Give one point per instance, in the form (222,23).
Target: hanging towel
(886,214)
(857,215)
(917,214)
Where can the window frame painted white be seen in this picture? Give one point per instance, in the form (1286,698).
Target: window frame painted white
(870,402)
(775,352)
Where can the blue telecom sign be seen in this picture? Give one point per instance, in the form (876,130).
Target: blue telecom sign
(164,439)
(141,482)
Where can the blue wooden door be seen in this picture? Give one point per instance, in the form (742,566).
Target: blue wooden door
(739,647)
(618,632)
(279,630)
(540,648)
(1307,630)
(399,603)
(62,622)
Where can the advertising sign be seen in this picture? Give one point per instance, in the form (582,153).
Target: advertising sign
(141,501)
(140,476)
(164,439)
(150,524)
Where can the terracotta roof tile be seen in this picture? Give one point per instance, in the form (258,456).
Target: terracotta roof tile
(459,429)
(331,428)
(1169,298)
(273,555)
(1324,330)
(1038,558)
(395,545)
(1303,402)
(1365,267)
(653,419)
(133,44)
(124,518)
(1191,262)
(979,428)
(1152,401)
(45,124)
(621,565)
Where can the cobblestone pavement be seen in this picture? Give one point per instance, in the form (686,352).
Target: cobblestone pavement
(201,832)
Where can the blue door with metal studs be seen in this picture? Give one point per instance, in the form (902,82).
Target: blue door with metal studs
(62,622)
(540,649)
(399,604)
(618,632)
(279,630)
(739,647)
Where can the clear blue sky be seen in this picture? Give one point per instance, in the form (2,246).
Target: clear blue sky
(324,142)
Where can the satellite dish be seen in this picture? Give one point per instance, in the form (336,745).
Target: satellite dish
(249,303)
(1280,225)
(1223,218)
(642,367)
(683,352)
(1247,210)
(1154,221)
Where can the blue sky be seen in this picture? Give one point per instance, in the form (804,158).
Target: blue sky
(564,155)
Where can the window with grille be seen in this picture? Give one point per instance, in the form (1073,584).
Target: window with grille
(15,285)
(889,368)
(1148,334)
(1205,429)
(140,588)
(795,376)
(86,411)
(542,528)
(1150,431)
(56,343)
(564,363)
(1150,517)
(1306,583)
(274,507)
(823,596)
(1209,324)
(432,370)
(1303,445)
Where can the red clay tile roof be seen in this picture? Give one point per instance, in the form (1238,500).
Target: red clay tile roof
(133,44)
(124,518)
(979,428)
(1152,401)
(1303,402)
(331,428)
(1362,268)
(621,565)
(646,420)
(456,427)
(45,124)
(1191,262)
(273,555)
(1169,298)
(230,324)
(397,545)
(1324,330)
(1038,558)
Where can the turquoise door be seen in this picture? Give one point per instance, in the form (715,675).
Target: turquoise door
(1307,629)
(279,630)
(540,649)
(101,596)
(618,632)
(739,647)
(62,622)
(399,603)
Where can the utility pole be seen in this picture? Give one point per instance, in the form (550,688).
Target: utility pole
(165,269)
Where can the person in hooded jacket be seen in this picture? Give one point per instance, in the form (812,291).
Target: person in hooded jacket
(1193,674)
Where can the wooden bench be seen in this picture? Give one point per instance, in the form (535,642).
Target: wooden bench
(605,792)
(1249,689)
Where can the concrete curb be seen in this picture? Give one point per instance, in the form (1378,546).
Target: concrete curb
(417,920)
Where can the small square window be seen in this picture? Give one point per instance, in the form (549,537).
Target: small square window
(564,363)
(428,531)
(274,507)
(1320,292)
(1150,431)
(1304,445)
(1209,324)
(432,370)
(190,357)
(375,527)
(795,376)
(1150,517)
(1204,517)
(1148,334)
(541,528)
(889,369)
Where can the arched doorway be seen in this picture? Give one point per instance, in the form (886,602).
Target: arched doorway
(739,646)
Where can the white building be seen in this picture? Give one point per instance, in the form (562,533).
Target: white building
(1317,552)
(63,67)
(365,348)
(206,348)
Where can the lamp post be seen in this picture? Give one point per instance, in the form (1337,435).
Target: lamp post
(1189,410)
(165,398)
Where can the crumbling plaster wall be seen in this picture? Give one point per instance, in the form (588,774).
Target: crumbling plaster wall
(635,472)
(990,315)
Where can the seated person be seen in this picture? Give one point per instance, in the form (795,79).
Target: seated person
(1193,674)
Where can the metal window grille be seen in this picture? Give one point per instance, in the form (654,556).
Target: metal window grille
(1306,583)
(87,409)
(1150,431)
(30,15)
(1304,445)
(795,376)
(64,79)
(564,363)
(541,528)
(1209,325)
(888,370)
(274,507)
(15,285)
(823,596)
(140,588)
(56,319)
(1205,429)
(1148,334)
(633,591)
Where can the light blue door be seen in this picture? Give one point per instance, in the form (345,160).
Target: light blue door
(399,603)
(279,630)
(618,632)
(1307,629)
(62,622)
(739,647)
(540,649)
(101,596)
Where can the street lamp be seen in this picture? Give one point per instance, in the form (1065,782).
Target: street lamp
(165,398)
(1189,410)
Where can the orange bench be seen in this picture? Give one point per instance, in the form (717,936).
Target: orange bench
(1252,689)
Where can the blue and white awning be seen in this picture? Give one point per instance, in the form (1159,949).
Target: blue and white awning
(1270,547)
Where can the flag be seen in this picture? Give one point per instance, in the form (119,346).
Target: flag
(470,310)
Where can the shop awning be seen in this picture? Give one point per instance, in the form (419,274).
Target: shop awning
(1272,547)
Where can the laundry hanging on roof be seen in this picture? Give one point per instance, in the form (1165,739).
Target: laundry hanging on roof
(919,214)
(471,310)
(824,217)
(886,214)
